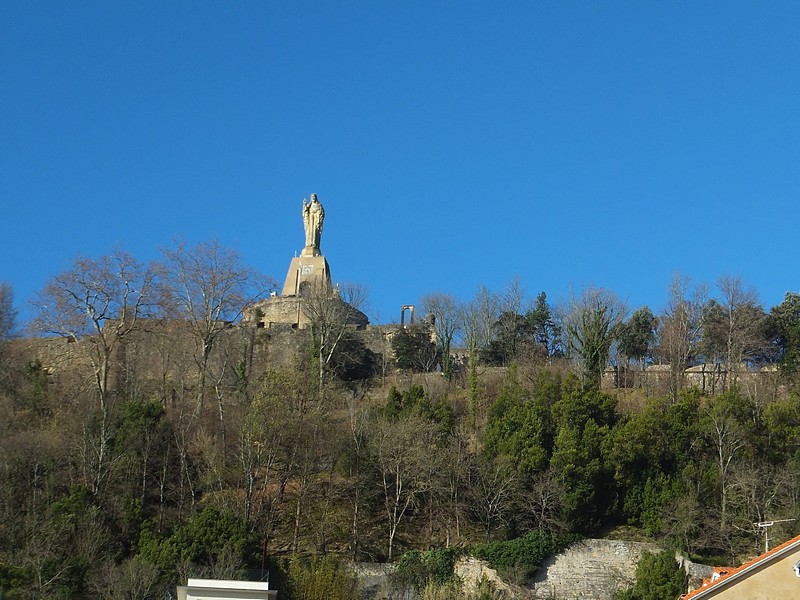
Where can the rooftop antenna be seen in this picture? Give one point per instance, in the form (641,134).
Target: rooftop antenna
(765,525)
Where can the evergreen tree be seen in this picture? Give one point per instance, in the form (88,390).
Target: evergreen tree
(658,577)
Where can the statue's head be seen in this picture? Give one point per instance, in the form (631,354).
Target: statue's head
(314,198)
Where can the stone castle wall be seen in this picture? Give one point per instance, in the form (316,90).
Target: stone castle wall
(161,357)
(164,351)
(708,378)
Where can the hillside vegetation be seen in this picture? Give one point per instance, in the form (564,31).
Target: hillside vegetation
(144,441)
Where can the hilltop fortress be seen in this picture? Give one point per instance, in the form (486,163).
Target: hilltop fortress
(273,332)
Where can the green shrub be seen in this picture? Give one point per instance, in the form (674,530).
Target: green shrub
(207,537)
(658,577)
(515,560)
(518,559)
(322,578)
(454,590)
(417,569)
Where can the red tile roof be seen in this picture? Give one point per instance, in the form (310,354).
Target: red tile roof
(727,573)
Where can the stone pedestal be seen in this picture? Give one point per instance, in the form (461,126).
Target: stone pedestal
(313,270)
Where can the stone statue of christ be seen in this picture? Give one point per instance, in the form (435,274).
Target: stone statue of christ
(313,216)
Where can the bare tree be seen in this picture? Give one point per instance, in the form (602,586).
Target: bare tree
(494,488)
(725,429)
(41,554)
(455,475)
(513,297)
(485,309)
(280,448)
(510,327)
(208,287)
(404,454)
(543,501)
(759,492)
(591,322)
(229,372)
(470,324)
(97,304)
(357,459)
(679,329)
(477,319)
(330,313)
(734,326)
(134,579)
(447,321)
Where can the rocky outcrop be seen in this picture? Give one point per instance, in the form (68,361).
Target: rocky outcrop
(473,571)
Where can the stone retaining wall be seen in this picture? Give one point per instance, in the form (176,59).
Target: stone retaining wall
(590,569)
(587,570)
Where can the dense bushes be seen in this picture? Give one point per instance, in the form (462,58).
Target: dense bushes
(518,559)
(320,578)
(362,472)
(515,560)
(417,569)
(211,542)
(658,577)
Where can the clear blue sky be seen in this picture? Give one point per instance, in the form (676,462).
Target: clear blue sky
(452,144)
